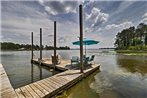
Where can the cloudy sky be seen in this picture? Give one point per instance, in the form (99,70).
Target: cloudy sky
(102,20)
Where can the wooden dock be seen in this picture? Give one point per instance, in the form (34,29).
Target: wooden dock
(6,89)
(49,87)
(52,86)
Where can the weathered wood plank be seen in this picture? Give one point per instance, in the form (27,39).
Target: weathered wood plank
(25,92)
(19,93)
(54,87)
(36,90)
(41,88)
(61,78)
(9,95)
(6,89)
(53,83)
(44,86)
(48,85)
(32,92)
(59,81)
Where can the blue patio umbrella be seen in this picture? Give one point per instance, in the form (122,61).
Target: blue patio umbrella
(86,42)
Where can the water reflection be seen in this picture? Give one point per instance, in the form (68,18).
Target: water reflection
(128,80)
(119,85)
(32,71)
(133,63)
(82,89)
(40,72)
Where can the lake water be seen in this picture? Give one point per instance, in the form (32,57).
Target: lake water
(120,76)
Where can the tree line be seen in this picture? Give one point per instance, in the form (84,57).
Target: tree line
(14,46)
(132,38)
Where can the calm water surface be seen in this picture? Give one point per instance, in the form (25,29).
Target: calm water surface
(120,76)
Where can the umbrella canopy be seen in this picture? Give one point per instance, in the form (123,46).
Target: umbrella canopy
(86,42)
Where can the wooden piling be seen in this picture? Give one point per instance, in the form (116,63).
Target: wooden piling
(40,43)
(32,46)
(81,36)
(54,44)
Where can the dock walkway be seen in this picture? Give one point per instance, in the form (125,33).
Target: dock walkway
(48,87)
(6,89)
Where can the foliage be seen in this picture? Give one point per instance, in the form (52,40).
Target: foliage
(13,46)
(139,47)
(132,38)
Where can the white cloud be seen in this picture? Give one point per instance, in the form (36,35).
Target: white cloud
(49,10)
(144,20)
(41,2)
(95,18)
(60,7)
(118,27)
(145,15)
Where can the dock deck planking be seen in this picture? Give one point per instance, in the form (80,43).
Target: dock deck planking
(50,88)
(44,91)
(59,81)
(6,89)
(26,92)
(44,86)
(54,82)
(53,87)
(31,91)
(19,93)
(36,90)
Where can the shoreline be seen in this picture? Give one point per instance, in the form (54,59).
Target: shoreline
(132,52)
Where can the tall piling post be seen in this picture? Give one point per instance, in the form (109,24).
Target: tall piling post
(81,36)
(54,44)
(32,47)
(40,44)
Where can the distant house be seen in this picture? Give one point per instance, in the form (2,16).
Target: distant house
(21,49)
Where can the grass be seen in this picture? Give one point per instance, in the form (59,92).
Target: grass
(132,52)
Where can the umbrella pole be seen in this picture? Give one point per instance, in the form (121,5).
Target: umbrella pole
(85,50)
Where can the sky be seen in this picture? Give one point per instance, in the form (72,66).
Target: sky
(102,20)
